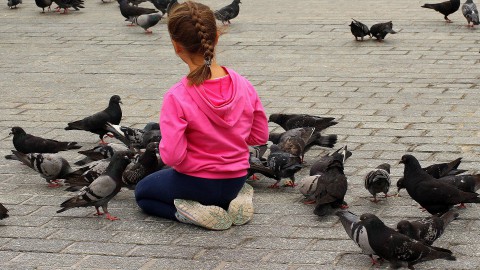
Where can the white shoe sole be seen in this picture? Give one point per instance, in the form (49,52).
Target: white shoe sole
(241,208)
(207,216)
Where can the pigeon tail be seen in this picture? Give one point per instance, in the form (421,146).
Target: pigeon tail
(430,6)
(23,158)
(326,141)
(73,145)
(449,217)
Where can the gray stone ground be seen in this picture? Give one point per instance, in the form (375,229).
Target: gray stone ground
(416,92)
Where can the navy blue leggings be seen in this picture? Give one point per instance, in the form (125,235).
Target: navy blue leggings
(155,193)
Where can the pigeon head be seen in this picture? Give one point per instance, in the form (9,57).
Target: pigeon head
(370,221)
(384,166)
(153,146)
(115,99)
(17,131)
(400,184)
(405,227)
(151,126)
(237,1)
(409,160)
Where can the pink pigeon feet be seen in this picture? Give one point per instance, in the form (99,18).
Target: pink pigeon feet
(309,202)
(148,31)
(110,217)
(274,185)
(54,184)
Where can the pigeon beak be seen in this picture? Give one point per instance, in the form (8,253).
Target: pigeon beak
(120,102)
(10,134)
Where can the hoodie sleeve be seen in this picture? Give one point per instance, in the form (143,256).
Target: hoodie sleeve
(173,146)
(259,132)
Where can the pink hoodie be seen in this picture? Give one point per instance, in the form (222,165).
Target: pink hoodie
(206,129)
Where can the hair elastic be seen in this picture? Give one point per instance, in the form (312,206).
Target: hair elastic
(208,62)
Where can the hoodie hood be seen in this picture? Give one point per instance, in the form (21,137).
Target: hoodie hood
(222,100)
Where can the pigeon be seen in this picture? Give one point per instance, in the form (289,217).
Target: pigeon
(465,182)
(291,121)
(171,5)
(96,123)
(103,189)
(378,180)
(297,141)
(146,21)
(446,8)
(100,152)
(3,212)
(43,4)
(359,30)
(130,12)
(161,5)
(357,232)
(27,143)
(380,30)
(283,165)
(434,196)
(136,2)
(50,166)
(400,250)
(470,12)
(147,163)
(66,4)
(438,170)
(331,183)
(134,137)
(427,230)
(85,175)
(258,164)
(13,3)
(228,12)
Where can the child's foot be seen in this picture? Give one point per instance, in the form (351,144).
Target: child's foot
(207,216)
(241,208)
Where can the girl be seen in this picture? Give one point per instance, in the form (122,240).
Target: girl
(208,119)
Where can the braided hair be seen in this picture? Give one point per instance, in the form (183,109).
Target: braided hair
(193,25)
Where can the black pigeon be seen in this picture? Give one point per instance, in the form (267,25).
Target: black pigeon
(400,250)
(26,143)
(134,137)
(96,123)
(258,164)
(52,167)
(446,8)
(130,12)
(147,163)
(100,152)
(283,165)
(378,180)
(161,5)
(331,183)
(470,12)
(357,232)
(13,3)
(439,170)
(380,30)
(228,12)
(43,4)
(103,189)
(427,230)
(435,196)
(291,121)
(85,175)
(146,21)
(464,182)
(359,30)
(66,4)
(3,212)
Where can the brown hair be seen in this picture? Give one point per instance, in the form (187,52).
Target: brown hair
(193,25)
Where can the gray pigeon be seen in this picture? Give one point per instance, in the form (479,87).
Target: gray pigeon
(3,212)
(283,165)
(291,121)
(134,137)
(469,10)
(146,21)
(228,12)
(359,29)
(52,167)
(427,230)
(400,250)
(96,123)
(13,3)
(357,232)
(43,4)
(100,152)
(103,189)
(146,164)
(378,180)
(380,30)
(85,175)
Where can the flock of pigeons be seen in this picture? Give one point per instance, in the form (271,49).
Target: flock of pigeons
(143,17)
(380,30)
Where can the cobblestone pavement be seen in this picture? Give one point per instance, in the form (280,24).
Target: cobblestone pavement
(416,92)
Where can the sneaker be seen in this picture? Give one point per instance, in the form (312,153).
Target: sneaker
(207,216)
(241,208)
